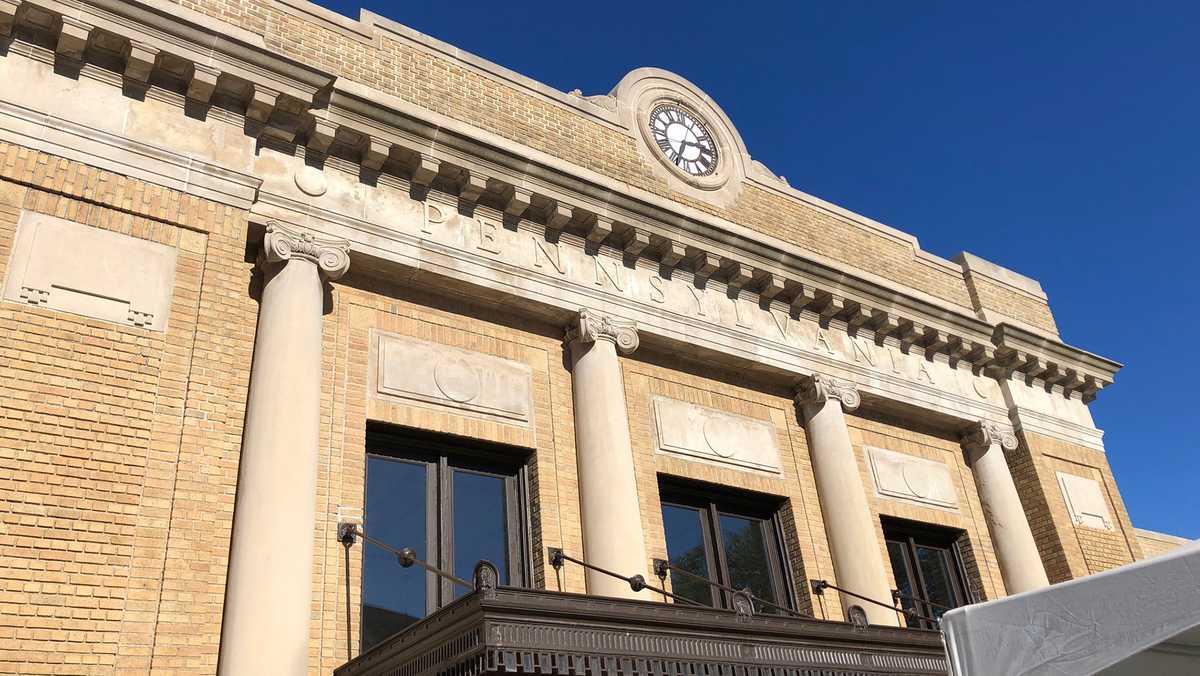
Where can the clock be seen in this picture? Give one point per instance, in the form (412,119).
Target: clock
(683,139)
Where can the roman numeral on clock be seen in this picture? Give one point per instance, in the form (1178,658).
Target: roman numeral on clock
(683,139)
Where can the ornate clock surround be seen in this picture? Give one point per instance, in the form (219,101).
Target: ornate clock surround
(643,91)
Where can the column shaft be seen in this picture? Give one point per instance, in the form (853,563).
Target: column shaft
(612,523)
(268,593)
(849,526)
(1016,550)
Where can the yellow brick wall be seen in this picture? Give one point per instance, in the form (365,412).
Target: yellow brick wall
(120,444)
(997,298)
(1068,550)
(1154,544)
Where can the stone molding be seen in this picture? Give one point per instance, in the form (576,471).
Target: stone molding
(69,266)
(711,435)
(901,476)
(590,326)
(987,432)
(280,96)
(42,131)
(1086,502)
(450,379)
(818,388)
(281,244)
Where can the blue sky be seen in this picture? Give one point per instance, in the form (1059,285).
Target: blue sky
(1056,139)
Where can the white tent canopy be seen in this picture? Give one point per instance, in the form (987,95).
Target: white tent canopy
(1142,619)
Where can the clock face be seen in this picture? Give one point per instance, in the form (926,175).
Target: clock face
(683,139)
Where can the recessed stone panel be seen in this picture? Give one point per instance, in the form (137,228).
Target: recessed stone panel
(906,477)
(700,432)
(87,271)
(452,378)
(1085,501)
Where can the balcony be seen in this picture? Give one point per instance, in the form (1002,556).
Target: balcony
(504,630)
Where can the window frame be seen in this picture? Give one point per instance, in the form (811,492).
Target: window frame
(947,541)
(712,502)
(442,458)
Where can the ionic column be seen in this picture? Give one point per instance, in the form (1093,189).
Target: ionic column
(853,543)
(268,593)
(608,499)
(1016,550)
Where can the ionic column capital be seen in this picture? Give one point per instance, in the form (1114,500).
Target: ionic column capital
(987,432)
(590,326)
(282,244)
(818,388)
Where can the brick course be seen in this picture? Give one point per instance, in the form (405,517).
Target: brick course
(99,422)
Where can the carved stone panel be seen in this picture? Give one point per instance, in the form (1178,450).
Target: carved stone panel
(1085,501)
(696,431)
(87,271)
(906,477)
(452,378)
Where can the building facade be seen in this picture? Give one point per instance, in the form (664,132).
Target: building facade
(268,271)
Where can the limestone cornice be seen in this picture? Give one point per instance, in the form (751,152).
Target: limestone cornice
(590,326)
(211,62)
(819,388)
(282,244)
(985,433)
(481,167)
(407,253)
(217,65)
(1050,362)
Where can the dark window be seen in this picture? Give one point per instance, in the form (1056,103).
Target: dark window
(726,538)
(927,567)
(453,506)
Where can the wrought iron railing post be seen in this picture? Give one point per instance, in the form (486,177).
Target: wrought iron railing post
(662,567)
(405,556)
(636,582)
(818,588)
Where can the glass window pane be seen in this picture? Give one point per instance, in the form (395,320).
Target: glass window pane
(904,583)
(746,556)
(935,571)
(393,597)
(685,550)
(479,525)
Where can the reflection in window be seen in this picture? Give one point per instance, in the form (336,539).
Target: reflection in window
(480,528)
(686,549)
(453,507)
(927,569)
(395,507)
(726,540)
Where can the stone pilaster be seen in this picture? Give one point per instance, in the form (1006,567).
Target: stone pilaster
(849,526)
(611,518)
(268,596)
(1016,550)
